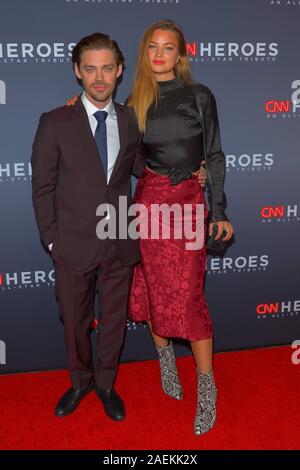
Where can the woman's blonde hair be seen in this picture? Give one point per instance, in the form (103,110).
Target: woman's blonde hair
(145,89)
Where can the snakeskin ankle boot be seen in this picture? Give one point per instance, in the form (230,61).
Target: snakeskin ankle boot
(168,370)
(206,404)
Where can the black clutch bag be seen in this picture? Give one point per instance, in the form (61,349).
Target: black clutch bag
(216,246)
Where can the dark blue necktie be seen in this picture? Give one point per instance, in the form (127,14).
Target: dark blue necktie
(101,138)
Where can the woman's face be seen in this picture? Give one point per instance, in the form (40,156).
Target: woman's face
(163,54)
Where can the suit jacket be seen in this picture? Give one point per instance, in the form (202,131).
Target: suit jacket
(69,183)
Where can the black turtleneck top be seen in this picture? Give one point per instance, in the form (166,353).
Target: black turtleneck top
(173,136)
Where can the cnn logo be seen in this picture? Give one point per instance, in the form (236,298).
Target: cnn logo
(296,354)
(2,92)
(2,352)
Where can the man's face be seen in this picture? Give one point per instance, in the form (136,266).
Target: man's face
(98,72)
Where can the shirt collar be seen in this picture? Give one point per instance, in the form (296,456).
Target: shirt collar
(91,109)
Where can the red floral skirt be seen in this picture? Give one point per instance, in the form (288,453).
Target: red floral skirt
(167,286)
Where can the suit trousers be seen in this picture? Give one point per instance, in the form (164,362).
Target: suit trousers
(75,292)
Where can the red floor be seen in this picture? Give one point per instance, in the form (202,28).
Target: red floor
(258,408)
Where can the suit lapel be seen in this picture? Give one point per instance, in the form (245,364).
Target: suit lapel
(123,129)
(83,134)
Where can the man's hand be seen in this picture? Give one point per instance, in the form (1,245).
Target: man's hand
(72,101)
(223,225)
(201,175)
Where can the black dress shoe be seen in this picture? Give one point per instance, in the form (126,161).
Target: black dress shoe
(112,403)
(70,400)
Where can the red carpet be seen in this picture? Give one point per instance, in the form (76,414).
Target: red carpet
(258,408)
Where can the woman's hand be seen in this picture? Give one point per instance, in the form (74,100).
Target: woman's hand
(201,175)
(72,101)
(223,225)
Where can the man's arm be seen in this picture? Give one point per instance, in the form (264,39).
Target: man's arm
(139,162)
(44,161)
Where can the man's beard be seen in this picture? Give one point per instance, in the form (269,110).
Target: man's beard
(100,96)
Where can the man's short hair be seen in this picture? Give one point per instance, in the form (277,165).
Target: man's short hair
(97,41)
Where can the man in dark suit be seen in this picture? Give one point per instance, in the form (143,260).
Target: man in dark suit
(83,156)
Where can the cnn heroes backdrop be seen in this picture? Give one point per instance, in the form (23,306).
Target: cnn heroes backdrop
(247,52)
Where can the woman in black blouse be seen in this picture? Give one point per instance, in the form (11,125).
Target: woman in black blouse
(167,289)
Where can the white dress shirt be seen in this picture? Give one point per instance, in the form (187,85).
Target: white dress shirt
(113,139)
